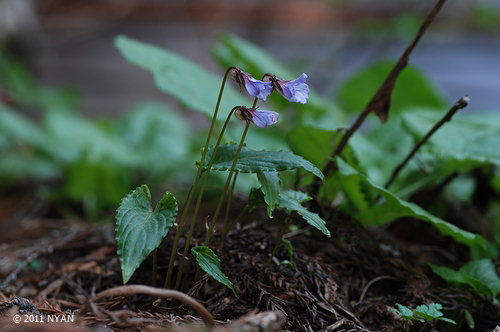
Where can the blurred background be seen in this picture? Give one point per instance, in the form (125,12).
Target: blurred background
(73,122)
(70,43)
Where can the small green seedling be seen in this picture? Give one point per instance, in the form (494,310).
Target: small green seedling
(423,313)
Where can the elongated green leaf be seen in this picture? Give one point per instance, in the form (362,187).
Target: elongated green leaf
(289,247)
(139,229)
(479,274)
(194,86)
(412,89)
(270,186)
(394,208)
(252,161)
(466,141)
(431,312)
(19,129)
(157,135)
(74,137)
(288,200)
(210,263)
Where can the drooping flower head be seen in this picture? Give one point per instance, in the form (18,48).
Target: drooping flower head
(295,91)
(260,118)
(255,88)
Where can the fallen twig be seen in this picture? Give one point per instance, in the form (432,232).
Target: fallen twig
(129,290)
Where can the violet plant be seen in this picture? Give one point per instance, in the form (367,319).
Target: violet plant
(140,229)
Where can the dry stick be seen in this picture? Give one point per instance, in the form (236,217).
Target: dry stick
(381,101)
(461,103)
(129,290)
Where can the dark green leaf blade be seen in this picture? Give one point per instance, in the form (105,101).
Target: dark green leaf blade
(210,263)
(139,229)
(288,200)
(479,274)
(394,207)
(175,75)
(252,161)
(270,186)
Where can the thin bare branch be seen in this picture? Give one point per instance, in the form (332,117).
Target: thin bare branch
(381,101)
(461,103)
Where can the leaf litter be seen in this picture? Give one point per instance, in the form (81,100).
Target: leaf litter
(347,283)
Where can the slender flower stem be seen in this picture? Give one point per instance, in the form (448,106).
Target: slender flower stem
(226,186)
(180,225)
(461,103)
(223,195)
(278,241)
(228,208)
(220,245)
(198,200)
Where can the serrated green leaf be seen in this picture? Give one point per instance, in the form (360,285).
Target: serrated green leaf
(412,89)
(139,229)
(429,312)
(479,274)
(404,312)
(270,186)
(252,161)
(394,208)
(288,201)
(194,86)
(210,263)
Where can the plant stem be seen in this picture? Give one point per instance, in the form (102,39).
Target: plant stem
(220,245)
(198,200)
(381,101)
(228,207)
(278,241)
(422,328)
(180,225)
(223,195)
(226,185)
(154,269)
(461,103)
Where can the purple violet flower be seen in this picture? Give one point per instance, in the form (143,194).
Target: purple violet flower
(261,118)
(255,88)
(295,91)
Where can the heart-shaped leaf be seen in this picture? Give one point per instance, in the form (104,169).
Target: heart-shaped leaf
(252,161)
(210,263)
(139,229)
